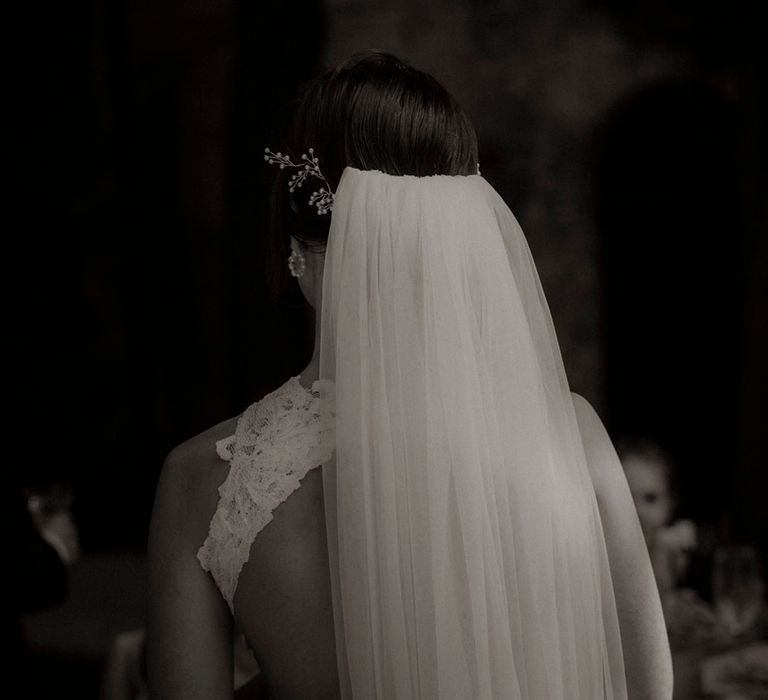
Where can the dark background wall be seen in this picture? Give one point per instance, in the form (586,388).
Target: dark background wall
(627,137)
(134,305)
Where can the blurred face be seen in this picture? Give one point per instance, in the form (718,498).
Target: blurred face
(648,484)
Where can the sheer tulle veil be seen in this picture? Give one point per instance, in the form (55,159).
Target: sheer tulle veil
(467,555)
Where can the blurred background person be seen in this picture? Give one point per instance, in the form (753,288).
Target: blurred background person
(37,549)
(711,589)
(673,542)
(652,479)
(51,509)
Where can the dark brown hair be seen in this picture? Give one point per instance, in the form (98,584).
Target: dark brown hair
(373,112)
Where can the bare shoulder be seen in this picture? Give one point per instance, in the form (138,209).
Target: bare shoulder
(192,458)
(644,641)
(590,425)
(189,647)
(603,463)
(187,490)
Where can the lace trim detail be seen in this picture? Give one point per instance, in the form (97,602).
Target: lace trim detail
(226,448)
(276,442)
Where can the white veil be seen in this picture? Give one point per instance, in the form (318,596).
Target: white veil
(466,550)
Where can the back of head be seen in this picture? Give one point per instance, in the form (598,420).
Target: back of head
(373,112)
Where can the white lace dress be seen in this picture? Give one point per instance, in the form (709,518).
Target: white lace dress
(278,439)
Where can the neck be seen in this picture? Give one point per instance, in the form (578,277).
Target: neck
(312,371)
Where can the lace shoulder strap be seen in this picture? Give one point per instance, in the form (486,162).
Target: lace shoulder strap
(225,448)
(276,442)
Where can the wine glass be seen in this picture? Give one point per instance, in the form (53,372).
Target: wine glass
(737,588)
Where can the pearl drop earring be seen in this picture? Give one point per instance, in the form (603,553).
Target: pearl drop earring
(296,263)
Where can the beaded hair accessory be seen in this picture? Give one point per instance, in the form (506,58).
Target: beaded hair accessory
(322,198)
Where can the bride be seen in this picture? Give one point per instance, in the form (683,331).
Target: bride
(426,511)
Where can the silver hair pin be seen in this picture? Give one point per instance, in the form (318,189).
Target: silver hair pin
(322,199)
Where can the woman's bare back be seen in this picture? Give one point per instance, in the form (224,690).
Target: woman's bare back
(282,602)
(283,599)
